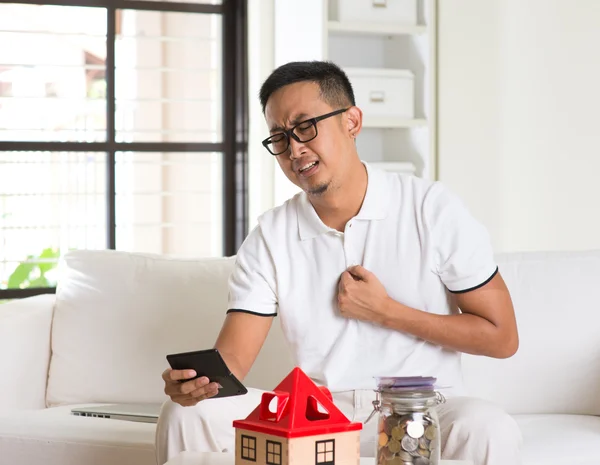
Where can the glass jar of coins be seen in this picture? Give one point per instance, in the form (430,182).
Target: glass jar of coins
(408,430)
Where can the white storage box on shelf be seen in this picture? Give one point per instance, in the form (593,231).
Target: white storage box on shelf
(388,11)
(384,93)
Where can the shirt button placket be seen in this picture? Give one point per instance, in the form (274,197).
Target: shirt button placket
(348,252)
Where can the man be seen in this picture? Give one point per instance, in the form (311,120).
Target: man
(367,271)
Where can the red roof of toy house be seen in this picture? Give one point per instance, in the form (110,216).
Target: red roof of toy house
(295,410)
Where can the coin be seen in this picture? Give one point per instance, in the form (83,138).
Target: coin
(405,456)
(423,452)
(409,444)
(386,453)
(404,419)
(394,446)
(395,461)
(422,461)
(397,433)
(424,443)
(415,429)
(383,439)
(430,432)
(389,423)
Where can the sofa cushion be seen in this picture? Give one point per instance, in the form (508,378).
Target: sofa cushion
(560,439)
(54,437)
(118,315)
(557,368)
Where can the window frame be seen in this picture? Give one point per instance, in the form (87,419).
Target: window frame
(248,448)
(276,455)
(325,442)
(234,145)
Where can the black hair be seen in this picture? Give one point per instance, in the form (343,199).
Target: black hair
(335,86)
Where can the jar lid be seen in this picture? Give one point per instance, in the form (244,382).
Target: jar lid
(408,389)
(406,382)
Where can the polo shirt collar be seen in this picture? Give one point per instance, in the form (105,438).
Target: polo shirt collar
(375,206)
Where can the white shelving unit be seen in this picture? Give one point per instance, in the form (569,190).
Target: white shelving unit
(393,123)
(311,30)
(376,29)
(393,143)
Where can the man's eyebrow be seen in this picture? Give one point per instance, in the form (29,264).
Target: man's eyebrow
(277,129)
(298,119)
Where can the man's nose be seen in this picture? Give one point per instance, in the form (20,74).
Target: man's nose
(297,149)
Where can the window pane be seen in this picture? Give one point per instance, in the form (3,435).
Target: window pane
(50,202)
(170,203)
(168,77)
(52,76)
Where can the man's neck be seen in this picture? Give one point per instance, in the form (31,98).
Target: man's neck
(338,206)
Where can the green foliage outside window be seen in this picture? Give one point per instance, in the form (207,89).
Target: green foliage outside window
(33,271)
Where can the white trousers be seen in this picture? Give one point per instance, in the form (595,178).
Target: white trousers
(472,429)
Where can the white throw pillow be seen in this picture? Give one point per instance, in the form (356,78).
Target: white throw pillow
(118,314)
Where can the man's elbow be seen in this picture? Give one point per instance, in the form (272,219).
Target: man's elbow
(506,347)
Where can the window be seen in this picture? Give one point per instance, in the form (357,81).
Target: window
(325,451)
(122,126)
(249,448)
(273,453)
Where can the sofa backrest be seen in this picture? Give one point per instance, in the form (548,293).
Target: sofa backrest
(117,316)
(557,368)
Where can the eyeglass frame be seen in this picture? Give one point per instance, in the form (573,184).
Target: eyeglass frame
(290,132)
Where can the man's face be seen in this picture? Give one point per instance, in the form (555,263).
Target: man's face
(315,165)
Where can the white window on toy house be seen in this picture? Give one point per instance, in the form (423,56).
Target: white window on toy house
(248,448)
(325,452)
(273,453)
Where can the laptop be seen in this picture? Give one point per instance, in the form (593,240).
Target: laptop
(146,413)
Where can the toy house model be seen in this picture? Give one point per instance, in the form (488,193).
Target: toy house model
(297,424)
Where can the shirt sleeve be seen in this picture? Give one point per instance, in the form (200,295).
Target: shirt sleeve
(252,282)
(463,254)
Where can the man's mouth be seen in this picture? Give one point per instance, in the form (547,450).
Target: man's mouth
(308,167)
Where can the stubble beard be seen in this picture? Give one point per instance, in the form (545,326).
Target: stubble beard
(319,189)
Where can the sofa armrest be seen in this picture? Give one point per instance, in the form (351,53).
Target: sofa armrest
(25,327)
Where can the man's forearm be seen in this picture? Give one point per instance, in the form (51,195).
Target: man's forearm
(234,364)
(464,332)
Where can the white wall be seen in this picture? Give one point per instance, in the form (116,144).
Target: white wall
(280,31)
(519,119)
(261,165)
(299,36)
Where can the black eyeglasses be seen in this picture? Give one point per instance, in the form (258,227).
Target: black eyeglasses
(302,132)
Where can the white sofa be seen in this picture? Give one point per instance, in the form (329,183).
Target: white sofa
(104,338)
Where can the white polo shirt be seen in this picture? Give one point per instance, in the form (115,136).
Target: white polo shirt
(414,235)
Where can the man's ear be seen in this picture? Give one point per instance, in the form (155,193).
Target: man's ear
(354,121)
